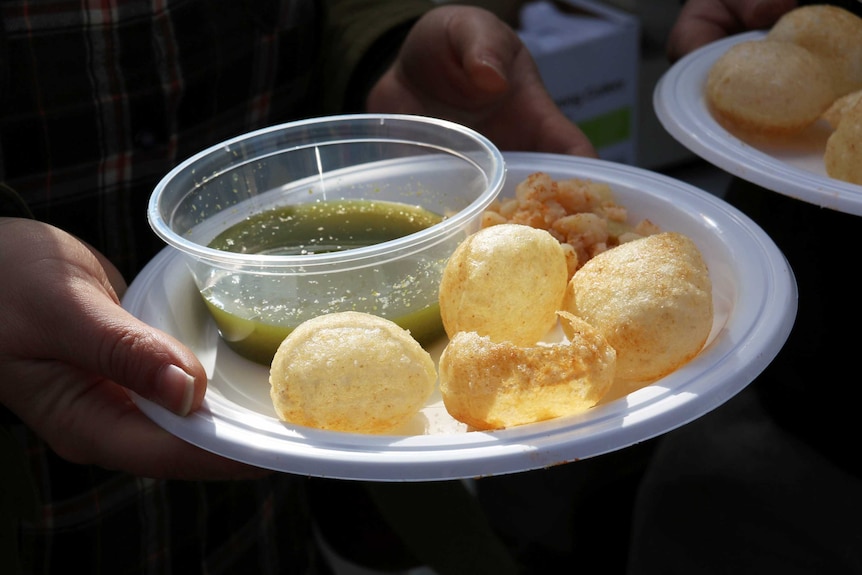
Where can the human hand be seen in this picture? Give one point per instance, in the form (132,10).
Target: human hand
(703,21)
(68,350)
(466,65)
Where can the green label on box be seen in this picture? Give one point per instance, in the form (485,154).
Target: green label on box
(609,128)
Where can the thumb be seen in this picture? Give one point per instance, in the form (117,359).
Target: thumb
(109,341)
(487,48)
(173,385)
(69,311)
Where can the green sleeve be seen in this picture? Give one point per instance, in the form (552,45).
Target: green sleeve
(360,39)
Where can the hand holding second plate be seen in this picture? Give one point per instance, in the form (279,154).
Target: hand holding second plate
(703,21)
(68,351)
(466,65)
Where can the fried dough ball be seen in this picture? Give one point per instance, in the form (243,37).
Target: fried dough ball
(836,111)
(769,87)
(830,33)
(651,298)
(505,282)
(352,372)
(490,385)
(843,155)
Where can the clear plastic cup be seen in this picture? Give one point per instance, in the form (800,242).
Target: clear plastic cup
(335,168)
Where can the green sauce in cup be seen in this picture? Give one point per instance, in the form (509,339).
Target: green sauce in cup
(319,228)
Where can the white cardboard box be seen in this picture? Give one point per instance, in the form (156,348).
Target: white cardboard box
(588,54)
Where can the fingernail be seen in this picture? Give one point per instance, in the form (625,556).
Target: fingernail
(176,388)
(496,66)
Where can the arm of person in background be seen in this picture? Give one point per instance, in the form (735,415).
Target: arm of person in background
(703,21)
(465,64)
(457,62)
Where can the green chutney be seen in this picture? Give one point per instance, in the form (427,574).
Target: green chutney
(315,228)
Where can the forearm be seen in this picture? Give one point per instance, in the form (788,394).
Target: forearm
(361,37)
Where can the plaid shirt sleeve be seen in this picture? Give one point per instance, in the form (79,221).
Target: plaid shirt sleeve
(109,96)
(100,100)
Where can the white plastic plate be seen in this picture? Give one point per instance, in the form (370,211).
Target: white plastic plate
(792,167)
(755,306)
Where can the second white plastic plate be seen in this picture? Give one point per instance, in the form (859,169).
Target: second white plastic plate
(793,167)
